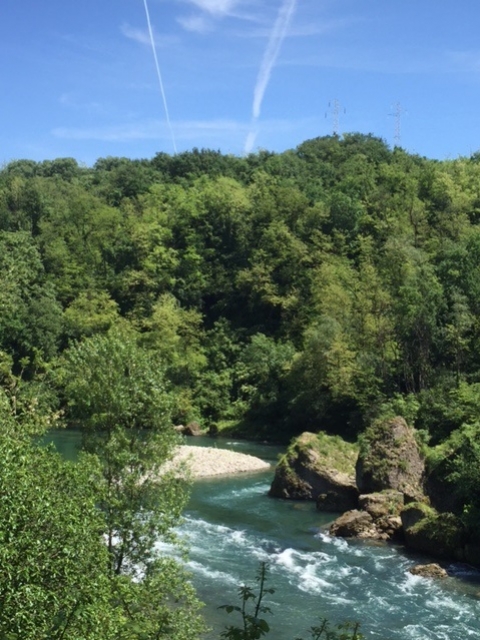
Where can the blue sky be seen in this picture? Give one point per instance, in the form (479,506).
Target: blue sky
(79,78)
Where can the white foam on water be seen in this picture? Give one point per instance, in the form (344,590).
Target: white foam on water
(303,569)
(168,549)
(343,545)
(310,582)
(286,559)
(344,572)
(440,632)
(207,541)
(383,603)
(340,543)
(419,632)
(256,489)
(441,603)
(352,580)
(410,583)
(212,574)
(200,526)
(239,538)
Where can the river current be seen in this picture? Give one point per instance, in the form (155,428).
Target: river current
(231,526)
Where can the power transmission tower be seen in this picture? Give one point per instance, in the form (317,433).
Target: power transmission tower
(398,112)
(335,107)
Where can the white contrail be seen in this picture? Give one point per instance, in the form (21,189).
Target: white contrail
(274,45)
(159,75)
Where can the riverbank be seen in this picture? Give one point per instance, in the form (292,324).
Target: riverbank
(205,462)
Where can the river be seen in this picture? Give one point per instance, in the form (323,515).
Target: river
(231,526)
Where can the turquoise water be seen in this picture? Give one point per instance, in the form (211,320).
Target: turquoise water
(231,526)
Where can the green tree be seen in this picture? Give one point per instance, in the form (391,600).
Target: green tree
(91,312)
(117,392)
(30,317)
(53,579)
(176,335)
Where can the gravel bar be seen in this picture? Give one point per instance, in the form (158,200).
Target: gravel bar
(204,462)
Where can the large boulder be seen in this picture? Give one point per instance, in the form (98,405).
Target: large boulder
(413,513)
(431,570)
(390,459)
(191,429)
(439,534)
(389,528)
(354,524)
(379,518)
(318,467)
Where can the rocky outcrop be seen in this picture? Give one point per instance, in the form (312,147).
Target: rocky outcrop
(413,514)
(431,570)
(386,503)
(353,524)
(317,467)
(441,493)
(338,492)
(381,514)
(390,459)
(391,505)
(439,534)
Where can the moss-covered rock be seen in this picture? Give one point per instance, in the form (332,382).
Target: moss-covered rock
(318,467)
(390,459)
(439,534)
(440,490)
(385,503)
(414,512)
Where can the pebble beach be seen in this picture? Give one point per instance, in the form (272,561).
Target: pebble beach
(204,462)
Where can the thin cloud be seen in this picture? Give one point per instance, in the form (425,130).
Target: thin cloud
(159,75)
(250,141)
(271,53)
(277,36)
(153,129)
(137,35)
(70,101)
(196,24)
(149,130)
(212,11)
(300,31)
(217,8)
(142,36)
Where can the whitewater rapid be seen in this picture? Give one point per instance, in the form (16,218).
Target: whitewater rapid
(231,526)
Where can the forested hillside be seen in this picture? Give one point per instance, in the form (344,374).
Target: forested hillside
(291,291)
